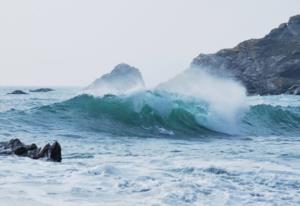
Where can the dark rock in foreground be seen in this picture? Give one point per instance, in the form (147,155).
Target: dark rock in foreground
(16,147)
(42,90)
(18,92)
(270,65)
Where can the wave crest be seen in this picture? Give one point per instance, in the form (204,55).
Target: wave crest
(161,113)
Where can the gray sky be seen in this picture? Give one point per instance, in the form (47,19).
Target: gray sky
(72,42)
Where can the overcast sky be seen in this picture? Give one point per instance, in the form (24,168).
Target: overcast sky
(72,42)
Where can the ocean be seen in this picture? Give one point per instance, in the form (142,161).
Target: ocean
(151,148)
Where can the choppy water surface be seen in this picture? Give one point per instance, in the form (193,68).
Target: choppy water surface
(151,149)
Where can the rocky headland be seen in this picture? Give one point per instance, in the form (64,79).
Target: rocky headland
(266,66)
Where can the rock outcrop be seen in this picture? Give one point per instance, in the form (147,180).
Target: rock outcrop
(42,90)
(18,92)
(122,79)
(16,147)
(270,65)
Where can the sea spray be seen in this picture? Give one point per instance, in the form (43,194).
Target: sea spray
(226,98)
(222,101)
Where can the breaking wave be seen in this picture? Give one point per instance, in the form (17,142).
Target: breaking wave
(161,113)
(194,103)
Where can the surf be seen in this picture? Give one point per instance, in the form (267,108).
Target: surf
(193,104)
(157,113)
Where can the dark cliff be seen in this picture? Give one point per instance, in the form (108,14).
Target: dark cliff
(270,65)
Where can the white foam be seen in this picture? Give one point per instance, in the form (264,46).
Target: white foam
(226,98)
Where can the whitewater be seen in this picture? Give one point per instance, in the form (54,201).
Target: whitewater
(187,145)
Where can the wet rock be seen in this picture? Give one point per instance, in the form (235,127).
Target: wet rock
(16,147)
(42,90)
(55,152)
(18,92)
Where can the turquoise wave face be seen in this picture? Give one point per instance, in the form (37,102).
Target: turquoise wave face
(272,120)
(145,114)
(160,113)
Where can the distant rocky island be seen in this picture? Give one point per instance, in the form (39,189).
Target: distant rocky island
(122,79)
(42,90)
(17,92)
(266,66)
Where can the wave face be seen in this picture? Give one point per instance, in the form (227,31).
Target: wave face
(145,113)
(161,113)
(266,119)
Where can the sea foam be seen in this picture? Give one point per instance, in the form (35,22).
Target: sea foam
(226,98)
